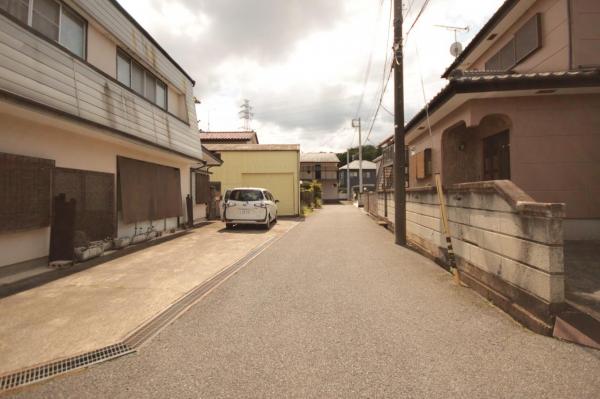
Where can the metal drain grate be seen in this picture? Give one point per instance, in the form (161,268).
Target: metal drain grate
(39,373)
(158,323)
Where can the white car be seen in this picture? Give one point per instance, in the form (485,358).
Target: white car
(249,205)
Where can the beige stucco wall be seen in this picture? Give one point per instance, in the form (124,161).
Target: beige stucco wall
(554,143)
(554,53)
(585,30)
(101,51)
(71,145)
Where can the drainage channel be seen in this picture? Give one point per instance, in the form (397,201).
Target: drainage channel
(49,370)
(134,341)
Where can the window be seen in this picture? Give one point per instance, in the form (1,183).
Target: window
(246,195)
(17,8)
(137,78)
(161,94)
(72,32)
(140,80)
(46,14)
(353,173)
(150,91)
(123,69)
(525,42)
(318,172)
(367,174)
(52,19)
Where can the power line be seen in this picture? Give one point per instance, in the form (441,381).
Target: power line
(384,82)
(423,7)
(370,61)
(380,103)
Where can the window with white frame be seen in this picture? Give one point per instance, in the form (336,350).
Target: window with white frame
(140,80)
(52,19)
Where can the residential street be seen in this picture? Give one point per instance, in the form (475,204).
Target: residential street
(335,309)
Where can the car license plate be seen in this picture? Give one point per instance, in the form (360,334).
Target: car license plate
(244,211)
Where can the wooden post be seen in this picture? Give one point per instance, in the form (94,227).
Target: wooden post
(446,227)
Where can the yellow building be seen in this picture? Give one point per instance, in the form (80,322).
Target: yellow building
(271,166)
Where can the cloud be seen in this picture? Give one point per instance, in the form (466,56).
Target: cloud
(302,62)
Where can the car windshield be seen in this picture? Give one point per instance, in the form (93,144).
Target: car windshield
(246,195)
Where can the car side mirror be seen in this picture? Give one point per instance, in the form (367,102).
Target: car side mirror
(277,201)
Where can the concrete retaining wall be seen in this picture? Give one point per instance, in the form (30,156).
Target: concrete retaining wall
(502,239)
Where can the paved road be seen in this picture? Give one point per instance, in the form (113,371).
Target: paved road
(334,309)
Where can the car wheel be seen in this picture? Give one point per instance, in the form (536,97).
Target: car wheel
(228,226)
(268,222)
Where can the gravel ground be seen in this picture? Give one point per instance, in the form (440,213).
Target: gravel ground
(335,309)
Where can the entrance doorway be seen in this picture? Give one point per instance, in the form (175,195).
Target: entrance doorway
(496,157)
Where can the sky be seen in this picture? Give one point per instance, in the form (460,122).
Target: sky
(303,63)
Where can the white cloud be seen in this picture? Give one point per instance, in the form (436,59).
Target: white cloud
(302,63)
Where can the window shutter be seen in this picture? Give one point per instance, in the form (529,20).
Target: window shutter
(202,189)
(528,38)
(148,191)
(25,198)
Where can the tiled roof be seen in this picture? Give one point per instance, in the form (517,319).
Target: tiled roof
(475,76)
(252,147)
(475,81)
(355,165)
(470,82)
(319,157)
(228,136)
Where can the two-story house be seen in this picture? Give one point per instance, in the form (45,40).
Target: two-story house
(369,174)
(92,109)
(322,167)
(521,104)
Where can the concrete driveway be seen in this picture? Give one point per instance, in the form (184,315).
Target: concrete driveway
(101,306)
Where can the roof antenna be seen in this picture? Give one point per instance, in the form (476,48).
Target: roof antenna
(456,48)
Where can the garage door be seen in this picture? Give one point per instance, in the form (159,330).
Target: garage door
(281,185)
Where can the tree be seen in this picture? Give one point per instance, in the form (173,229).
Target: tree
(370,152)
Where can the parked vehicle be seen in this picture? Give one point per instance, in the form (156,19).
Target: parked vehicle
(249,205)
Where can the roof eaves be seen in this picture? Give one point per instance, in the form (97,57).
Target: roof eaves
(212,155)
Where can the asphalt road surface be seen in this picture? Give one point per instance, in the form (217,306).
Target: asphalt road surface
(335,310)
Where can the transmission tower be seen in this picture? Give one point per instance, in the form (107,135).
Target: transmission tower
(246,114)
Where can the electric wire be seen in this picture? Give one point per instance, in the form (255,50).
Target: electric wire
(369,62)
(380,103)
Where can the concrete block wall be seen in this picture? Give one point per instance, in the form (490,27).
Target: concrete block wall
(379,211)
(498,230)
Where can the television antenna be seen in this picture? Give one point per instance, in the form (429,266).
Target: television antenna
(456,48)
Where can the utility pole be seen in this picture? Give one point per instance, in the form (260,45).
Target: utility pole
(348,193)
(399,146)
(357,123)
